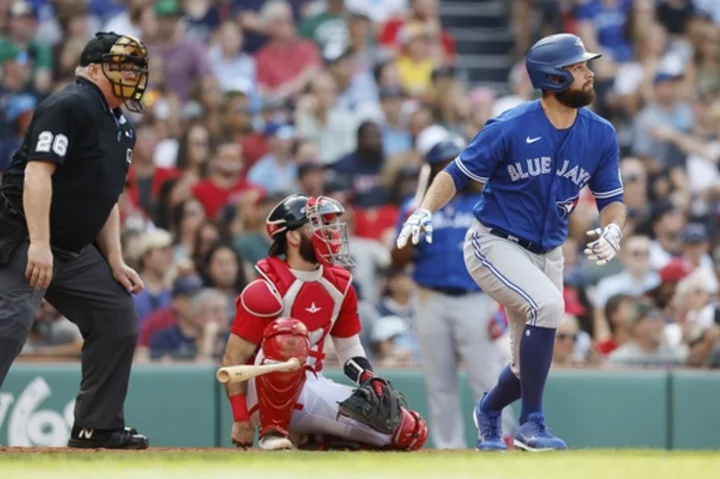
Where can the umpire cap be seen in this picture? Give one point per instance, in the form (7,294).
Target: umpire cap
(548,57)
(117,54)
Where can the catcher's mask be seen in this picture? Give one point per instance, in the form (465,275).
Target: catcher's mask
(124,62)
(328,234)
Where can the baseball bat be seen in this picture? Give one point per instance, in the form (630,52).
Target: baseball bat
(244,372)
(422,186)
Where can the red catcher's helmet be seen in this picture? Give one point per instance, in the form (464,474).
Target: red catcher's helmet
(329,235)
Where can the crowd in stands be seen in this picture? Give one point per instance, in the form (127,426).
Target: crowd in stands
(251,100)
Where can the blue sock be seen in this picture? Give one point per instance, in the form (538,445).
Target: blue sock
(536,351)
(505,392)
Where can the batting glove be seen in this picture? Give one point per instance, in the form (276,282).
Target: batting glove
(419,221)
(603,249)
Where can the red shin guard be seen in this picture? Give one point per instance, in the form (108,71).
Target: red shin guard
(277,393)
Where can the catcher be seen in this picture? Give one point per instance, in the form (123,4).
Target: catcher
(300,300)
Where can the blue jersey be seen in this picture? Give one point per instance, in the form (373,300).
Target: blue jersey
(533,172)
(441,264)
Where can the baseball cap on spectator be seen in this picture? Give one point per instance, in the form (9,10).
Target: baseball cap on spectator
(674,271)
(187,285)
(168,8)
(429,137)
(695,233)
(11,51)
(22,9)
(391,92)
(387,327)
(309,167)
(661,77)
(280,130)
(335,52)
(19,105)
(153,240)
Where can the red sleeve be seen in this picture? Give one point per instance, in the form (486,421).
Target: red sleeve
(389,31)
(606,347)
(348,321)
(247,325)
(448,43)
(262,73)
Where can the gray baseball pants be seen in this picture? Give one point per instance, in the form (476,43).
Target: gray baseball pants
(529,285)
(452,329)
(84,291)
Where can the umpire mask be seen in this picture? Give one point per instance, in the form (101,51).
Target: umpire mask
(124,62)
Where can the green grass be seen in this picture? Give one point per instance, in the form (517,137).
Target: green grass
(231,464)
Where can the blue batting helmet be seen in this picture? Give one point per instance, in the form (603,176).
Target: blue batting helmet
(548,57)
(443,151)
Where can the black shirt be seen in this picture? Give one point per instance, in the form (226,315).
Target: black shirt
(92,146)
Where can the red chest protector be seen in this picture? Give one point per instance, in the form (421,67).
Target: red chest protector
(312,297)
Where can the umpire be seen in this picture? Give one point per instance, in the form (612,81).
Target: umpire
(453,316)
(60,232)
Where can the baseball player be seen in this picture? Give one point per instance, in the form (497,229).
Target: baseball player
(453,316)
(298,302)
(534,160)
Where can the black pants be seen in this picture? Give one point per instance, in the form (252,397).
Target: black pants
(84,291)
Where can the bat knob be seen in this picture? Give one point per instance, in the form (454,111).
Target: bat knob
(223,375)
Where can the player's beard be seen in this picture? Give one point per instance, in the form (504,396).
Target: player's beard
(307,252)
(576,98)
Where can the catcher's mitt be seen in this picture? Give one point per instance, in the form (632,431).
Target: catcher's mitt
(375,404)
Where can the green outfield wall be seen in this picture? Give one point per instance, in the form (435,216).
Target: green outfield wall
(183,405)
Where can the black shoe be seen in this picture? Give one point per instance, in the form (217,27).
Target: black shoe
(126,438)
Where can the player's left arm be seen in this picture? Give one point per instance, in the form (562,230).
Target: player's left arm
(606,186)
(345,335)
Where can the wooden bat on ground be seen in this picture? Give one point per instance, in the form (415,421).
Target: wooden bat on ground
(235,374)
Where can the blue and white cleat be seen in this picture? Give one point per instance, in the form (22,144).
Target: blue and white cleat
(489,429)
(533,436)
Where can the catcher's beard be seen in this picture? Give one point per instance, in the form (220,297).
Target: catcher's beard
(306,250)
(576,98)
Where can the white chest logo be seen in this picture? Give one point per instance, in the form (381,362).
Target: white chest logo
(313,309)
(543,166)
(530,141)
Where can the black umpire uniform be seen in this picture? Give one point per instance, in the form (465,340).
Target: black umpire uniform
(91,144)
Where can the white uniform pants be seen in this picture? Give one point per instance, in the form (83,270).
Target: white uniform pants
(317,412)
(452,329)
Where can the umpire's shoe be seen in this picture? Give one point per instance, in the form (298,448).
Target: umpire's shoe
(126,438)
(533,436)
(489,428)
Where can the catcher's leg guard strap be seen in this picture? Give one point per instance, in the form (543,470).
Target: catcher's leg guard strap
(277,393)
(412,433)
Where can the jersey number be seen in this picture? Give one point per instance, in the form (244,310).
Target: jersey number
(47,141)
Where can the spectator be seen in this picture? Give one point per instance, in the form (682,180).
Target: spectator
(251,240)
(155,256)
(224,270)
(19,114)
(127,21)
(395,134)
(636,278)
(311,177)
(193,156)
(565,353)
(321,120)
(188,217)
(667,223)
(200,337)
(327,27)
(416,62)
(184,59)
(276,172)
(423,12)
(619,311)
(665,109)
(224,179)
(357,91)
(647,346)
(390,343)
(696,253)
(21,28)
(52,336)
(183,291)
(521,90)
(234,69)
(286,63)
(365,53)
(602,25)
(14,81)
(364,166)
